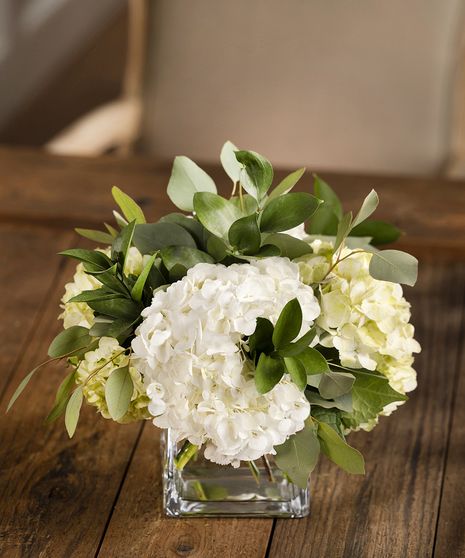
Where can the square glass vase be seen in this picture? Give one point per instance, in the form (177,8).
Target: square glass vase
(205,489)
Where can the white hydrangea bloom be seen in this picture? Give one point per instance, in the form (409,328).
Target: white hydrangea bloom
(80,313)
(189,350)
(92,373)
(367,321)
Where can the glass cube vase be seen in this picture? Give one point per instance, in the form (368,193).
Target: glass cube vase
(205,489)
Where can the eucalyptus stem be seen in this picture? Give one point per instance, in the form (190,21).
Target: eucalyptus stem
(268,469)
(185,454)
(234,188)
(255,471)
(339,260)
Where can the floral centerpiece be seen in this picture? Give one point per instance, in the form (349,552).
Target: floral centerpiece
(257,331)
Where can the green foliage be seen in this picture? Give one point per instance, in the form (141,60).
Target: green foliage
(329,213)
(261,340)
(394,266)
(229,161)
(288,211)
(299,346)
(298,456)
(62,397)
(69,341)
(380,232)
(371,392)
(259,174)
(288,325)
(287,183)
(97,236)
(186,179)
(370,203)
(336,449)
(178,259)
(289,246)
(215,213)
(192,226)
(98,259)
(139,285)
(73,409)
(343,230)
(119,388)
(313,361)
(122,243)
(335,384)
(297,371)
(152,237)
(128,206)
(268,373)
(244,235)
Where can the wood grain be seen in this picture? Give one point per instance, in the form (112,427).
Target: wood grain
(139,511)
(392,511)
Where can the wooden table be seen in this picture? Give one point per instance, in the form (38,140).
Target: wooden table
(99,494)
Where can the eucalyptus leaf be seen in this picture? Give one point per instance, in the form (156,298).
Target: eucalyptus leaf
(216,213)
(259,173)
(343,403)
(335,384)
(216,248)
(268,251)
(289,246)
(326,219)
(244,235)
(370,203)
(73,409)
(343,230)
(178,259)
(287,183)
(192,226)
(62,397)
(297,372)
(394,266)
(186,179)
(288,325)
(298,456)
(336,449)
(268,373)
(229,161)
(96,236)
(154,236)
(139,285)
(246,204)
(19,390)
(128,206)
(68,341)
(119,388)
(287,211)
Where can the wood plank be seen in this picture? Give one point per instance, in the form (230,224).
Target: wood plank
(392,511)
(55,494)
(450,539)
(139,512)
(30,265)
(76,190)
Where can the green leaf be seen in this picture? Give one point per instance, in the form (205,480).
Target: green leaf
(62,397)
(326,219)
(335,384)
(139,285)
(118,392)
(230,164)
(259,173)
(73,410)
(128,206)
(293,349)
(336,449)
(120,220)
(297,372)
(178,259)
(215,213)
(298,456)
(216,247)
(287,183)
(118,329)
(154,236)
(95,294)
(122,243)
(117,307)
(186,179)
(192,226)
(96,236)
(289,246)
(244,235)
(313,361)
(394,266)
(343,230)
(344,402)
(268,373)
(94,257)
(68,341)
(331,417)
(370,203)
(268,251)
(371,392)
(113,232)
(288,325)
(19,390)
(380,232)
(247,206)
(288,211)
(260,340)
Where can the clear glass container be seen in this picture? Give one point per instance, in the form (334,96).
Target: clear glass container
(206,489)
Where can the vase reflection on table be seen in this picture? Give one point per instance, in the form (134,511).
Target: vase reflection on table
(204,488)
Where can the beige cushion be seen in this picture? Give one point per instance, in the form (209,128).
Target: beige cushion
(337,84)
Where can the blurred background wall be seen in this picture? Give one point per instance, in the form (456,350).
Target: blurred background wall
(362,85)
